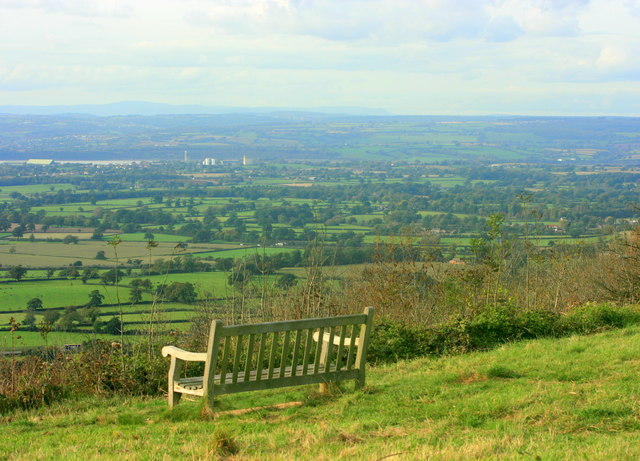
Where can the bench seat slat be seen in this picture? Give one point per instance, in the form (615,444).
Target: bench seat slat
(193,386)
(195,382)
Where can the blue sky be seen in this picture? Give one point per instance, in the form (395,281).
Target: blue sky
(551,57)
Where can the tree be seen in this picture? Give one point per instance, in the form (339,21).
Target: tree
(34,304)
(91,314)
(112,326)
(286,280)
(70,239)
(29,320)
(18,231)
(17,272)
(95,299)
(181,292)
(111,276)
(100,255)
(71,318)
(50,273)
(135,295)
(50,316)
(89,273)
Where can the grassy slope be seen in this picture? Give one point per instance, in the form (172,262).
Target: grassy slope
(573,398)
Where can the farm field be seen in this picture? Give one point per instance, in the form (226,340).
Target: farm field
(42,254)
(62,293)
(228,218)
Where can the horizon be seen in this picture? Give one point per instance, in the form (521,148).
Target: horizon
(101,110)
(413,57)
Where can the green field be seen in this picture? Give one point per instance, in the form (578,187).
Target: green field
(573,398)
(56,254)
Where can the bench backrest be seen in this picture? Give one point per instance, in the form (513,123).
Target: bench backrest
(275,354)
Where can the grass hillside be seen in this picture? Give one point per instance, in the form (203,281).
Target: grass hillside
(570,398)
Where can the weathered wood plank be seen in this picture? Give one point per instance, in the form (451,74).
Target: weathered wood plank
(263,346)
(236,358)
(318,357)
(184,355)
(343,333)
(361,357)
(352,346)
(271,327)
(212,358)
(307,351)
(285,353)
(248,363)
(225,358)
(328,350)
(285,382)
(296,348)
(272,355)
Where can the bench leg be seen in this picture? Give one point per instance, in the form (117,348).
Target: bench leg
(174,373)
(324,388)
(174,398)
(207,407)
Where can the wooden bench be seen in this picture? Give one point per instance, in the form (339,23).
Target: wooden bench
(275,354)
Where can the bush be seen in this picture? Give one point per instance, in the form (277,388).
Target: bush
(592,318)
(491,327)
(100,368)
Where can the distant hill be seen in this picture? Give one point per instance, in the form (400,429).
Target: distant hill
(100,133)
(152,108)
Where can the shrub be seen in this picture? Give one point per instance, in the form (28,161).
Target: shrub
(490,327)
(100,368)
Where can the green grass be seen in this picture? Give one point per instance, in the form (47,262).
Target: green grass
(244,252)
(573,398)
(5,191)
(55,338)
(54,293)
(61,293)
(56,254)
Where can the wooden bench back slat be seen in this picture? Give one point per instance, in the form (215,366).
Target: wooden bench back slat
(327,350)
(272,355)
(352,347)
(317,358)
(225,358)
(236,359)
(343,334)
(263,347)
(296,348)
(285,353)
(248,364)
(307,351)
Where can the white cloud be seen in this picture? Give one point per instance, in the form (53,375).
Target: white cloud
(87,8)
(438,55)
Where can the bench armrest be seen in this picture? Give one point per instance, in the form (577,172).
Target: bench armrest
(181,354)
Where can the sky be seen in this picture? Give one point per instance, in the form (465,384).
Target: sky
(441,57)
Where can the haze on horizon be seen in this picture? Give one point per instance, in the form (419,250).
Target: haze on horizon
(466,57)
